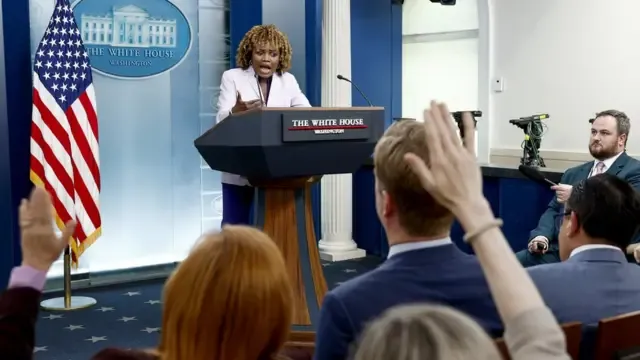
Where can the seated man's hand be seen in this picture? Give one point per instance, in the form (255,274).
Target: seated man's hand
(538,245)
(636,254)
(563,191)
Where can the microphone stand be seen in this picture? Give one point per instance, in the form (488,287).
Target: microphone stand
(340,77)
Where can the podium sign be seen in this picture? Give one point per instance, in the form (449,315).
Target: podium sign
(347,125)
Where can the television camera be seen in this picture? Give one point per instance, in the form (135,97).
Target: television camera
(457,116)
(533,131)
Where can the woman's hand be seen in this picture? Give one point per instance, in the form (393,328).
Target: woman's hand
(452,176)
(245,105)
(40,245)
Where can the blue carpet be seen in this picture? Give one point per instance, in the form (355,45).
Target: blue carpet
(129,316)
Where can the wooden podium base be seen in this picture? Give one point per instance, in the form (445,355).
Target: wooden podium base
(283,210)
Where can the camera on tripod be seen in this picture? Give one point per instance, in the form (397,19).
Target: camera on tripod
(533,130)
(457,116)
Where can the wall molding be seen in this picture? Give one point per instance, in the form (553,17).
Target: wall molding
(440,36)
(554,159)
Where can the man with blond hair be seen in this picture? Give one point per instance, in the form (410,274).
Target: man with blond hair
(423,264)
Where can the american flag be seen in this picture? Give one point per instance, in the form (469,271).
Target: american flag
(64,129)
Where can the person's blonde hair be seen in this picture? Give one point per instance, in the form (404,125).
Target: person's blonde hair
(418,212)
(230,299)
(264,34)
(418,332)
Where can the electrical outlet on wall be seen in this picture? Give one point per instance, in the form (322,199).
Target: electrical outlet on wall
(497,84)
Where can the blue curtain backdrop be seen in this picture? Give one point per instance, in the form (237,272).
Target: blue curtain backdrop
(15,121)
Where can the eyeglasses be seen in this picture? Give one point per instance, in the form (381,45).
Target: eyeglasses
(563,214)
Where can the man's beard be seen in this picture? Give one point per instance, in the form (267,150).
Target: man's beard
(602,152)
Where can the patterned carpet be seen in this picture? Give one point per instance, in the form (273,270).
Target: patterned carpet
(129,316)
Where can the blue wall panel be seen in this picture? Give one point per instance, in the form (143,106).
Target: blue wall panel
(243,15)
(313,67)
(376,66)
(15,121)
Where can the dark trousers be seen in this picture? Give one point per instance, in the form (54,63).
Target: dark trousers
(528,259)
(237,203)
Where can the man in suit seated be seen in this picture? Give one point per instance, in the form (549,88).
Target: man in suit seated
(594,281)
(423,264)
(609,135)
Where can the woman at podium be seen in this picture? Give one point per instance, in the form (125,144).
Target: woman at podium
(263,60)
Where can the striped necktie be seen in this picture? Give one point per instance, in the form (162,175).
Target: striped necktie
(599,168)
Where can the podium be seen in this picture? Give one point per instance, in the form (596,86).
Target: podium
(283,151)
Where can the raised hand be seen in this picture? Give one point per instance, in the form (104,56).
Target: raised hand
(40,245)
(451,175)
(245,105)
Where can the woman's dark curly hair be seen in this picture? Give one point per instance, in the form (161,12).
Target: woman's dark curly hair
(264,34)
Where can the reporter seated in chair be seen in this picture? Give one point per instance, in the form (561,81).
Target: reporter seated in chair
(595,280)
(609,135)
(261,79)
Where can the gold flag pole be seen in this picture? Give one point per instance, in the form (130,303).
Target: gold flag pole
(67,302)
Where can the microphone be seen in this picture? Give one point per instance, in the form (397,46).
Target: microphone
(535,175)
(340,77)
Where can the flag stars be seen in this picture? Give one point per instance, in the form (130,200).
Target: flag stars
(39,349)
(38,64)
(56,20)
(40,53)
(64,87)
(51,53)
(48,65)
(127,318)
(54,87)
(62,98)
(149,330)
(46,76)
(130,293)
(56,76)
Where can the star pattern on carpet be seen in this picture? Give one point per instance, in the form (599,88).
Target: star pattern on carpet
(151,330)
(53,317)
(74,327)
(95,339)
(130,316)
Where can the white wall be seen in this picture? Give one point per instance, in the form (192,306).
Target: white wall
(440,70)
(568,58)
(440,57)
(425,17)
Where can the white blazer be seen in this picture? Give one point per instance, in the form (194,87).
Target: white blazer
(284,92)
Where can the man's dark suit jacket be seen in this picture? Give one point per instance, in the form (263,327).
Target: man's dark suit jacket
(589,286)
(625,167)
(440,275)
